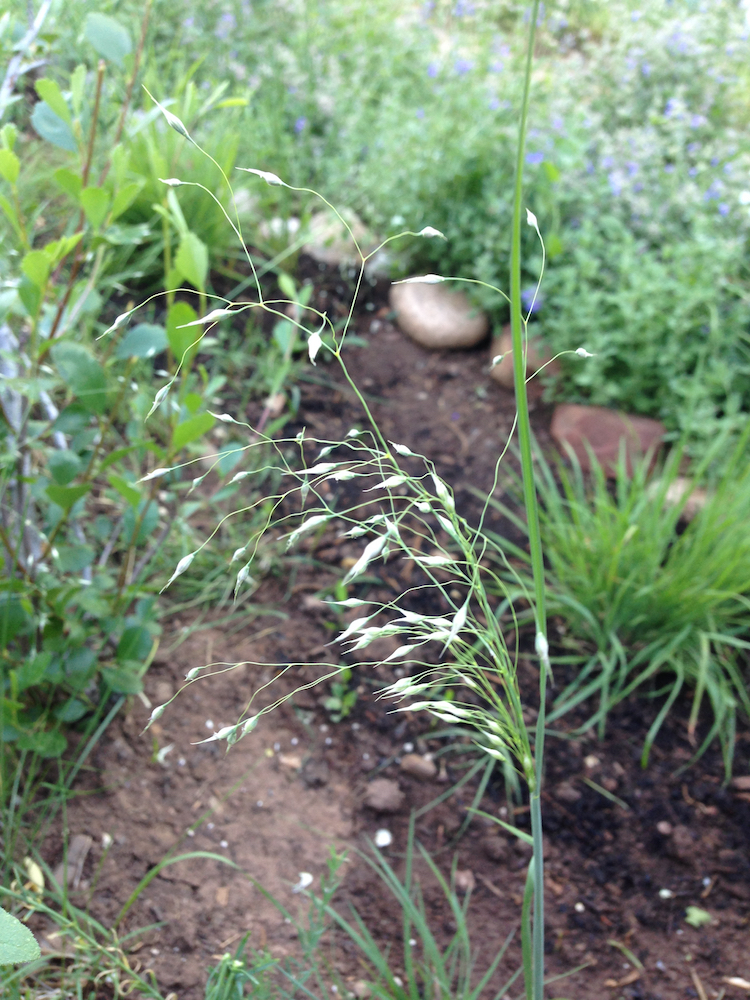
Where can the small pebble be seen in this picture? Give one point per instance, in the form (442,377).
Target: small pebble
(579,908)
(209,723)
(181,761)
(328,742)
(295,741)
(383,838)
(664,827)
(277,747)
(666,893)
(224,843)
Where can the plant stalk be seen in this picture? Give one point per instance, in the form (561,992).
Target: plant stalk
(532,515)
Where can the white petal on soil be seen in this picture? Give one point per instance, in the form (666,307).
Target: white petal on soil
(305,880)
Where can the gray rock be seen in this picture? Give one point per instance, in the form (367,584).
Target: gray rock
(384,795)
(567,792)
(330,242)
(436,316)
(419,767)
(496,848)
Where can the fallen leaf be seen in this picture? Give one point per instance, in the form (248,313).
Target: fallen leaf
(738,981)
(631,977)
(222,895)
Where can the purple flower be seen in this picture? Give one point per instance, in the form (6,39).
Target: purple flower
(696,121)
(637,187)
(723,208)
(497,66)
(534,158)
(300,124)
(463,9)
(646,69)
(432,70)
(713,192)
(608,162)
(632,168)
(728,168)
(693,147)
(188,22)
(590,168)
(558,124)
(669,168)
(714,161)
(494,103)
(693,171)
(463,66)
(531,304)
(670,108)
(420,112)
(615,184)
(226,26)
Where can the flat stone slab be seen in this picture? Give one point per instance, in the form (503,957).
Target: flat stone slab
(437,317)
(603,430)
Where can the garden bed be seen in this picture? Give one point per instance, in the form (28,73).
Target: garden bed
(629,849)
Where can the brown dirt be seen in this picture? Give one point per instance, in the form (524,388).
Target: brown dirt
(277,802)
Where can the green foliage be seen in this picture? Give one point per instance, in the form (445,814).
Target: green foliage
(17,944)
(81,526)
(430,968)
(653,607)
(342,698)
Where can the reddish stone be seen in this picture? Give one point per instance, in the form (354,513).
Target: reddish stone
(603,429)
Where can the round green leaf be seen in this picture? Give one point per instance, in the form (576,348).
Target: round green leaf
(110,39)
(82,374)
(144,341)
(52,127)
(17,943)
(64,466)
(45,744)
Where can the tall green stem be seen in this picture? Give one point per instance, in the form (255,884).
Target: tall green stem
(532,516)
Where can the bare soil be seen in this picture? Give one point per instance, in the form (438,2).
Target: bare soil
(616,834)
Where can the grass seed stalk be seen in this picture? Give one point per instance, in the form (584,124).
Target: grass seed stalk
(474,682)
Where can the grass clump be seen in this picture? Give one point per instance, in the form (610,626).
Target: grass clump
(655,604)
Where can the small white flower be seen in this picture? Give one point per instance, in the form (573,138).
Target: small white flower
(305,880)
(265,175)
(383,838)
(425,279)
